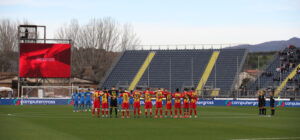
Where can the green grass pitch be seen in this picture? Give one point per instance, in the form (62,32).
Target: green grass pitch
(213,123)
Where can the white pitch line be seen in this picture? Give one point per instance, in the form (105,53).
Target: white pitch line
(285,138)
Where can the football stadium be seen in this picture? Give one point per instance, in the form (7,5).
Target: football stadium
(96,81)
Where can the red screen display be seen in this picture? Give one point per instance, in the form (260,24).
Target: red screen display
(44,60)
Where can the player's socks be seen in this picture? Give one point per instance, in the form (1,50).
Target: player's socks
(156,110)
(106,112)
(134,112)
(150,113)
(260,111)
(110,111)
(102,112)
(195,112)
(123,112)
(139,111)
(116,112)
(98,112)
(171,112)
(175,112)
(265,111)
(127,113)
(93,111)
(160,112)
(146,113)
(273,112)
(180,112)
(166,113)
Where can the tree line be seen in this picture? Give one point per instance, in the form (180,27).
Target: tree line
(95,45)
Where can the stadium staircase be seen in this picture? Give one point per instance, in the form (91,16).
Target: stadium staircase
(283,84)
(208,70)
(141,71)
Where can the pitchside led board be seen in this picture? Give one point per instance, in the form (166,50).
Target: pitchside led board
(38,60)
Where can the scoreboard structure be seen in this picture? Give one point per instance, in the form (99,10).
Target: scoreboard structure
(41,58)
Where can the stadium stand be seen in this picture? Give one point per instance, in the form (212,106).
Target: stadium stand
(173,69)
(282,74)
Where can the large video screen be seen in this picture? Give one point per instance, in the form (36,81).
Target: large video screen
(44,60)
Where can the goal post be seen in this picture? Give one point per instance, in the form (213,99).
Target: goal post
(47,92)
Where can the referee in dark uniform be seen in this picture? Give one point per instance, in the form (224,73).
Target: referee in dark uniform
(264,110)
(272,102)
(113,101)
(260,98)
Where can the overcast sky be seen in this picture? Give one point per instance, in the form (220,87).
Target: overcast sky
(171,21)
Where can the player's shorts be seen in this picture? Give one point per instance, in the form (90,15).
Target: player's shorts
(193,105)
(169,105)
(113,103)
(125,106)
(96,104)
(259,104)
(75,103)
(131,101)
(148,105)
(105,105)
(186,105)
(81,102)
(263,103)
(271,103)
(88,102)
(178,105)
(158,105)
(136,104)
(119,101)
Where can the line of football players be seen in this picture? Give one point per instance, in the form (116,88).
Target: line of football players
(102,98)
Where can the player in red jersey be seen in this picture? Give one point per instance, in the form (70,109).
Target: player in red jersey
(186,103)
(193,103)
(136,104)
(125,104)
(148,103)
(159,94)
(168,96)
(177,95)
(96,102)
(105,96)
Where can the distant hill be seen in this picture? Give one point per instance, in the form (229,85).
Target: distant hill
(271,45)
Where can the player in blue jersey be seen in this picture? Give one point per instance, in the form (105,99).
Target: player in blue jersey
(82,100)
(131,101)
(120,100)
(88,100)
(75,98)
